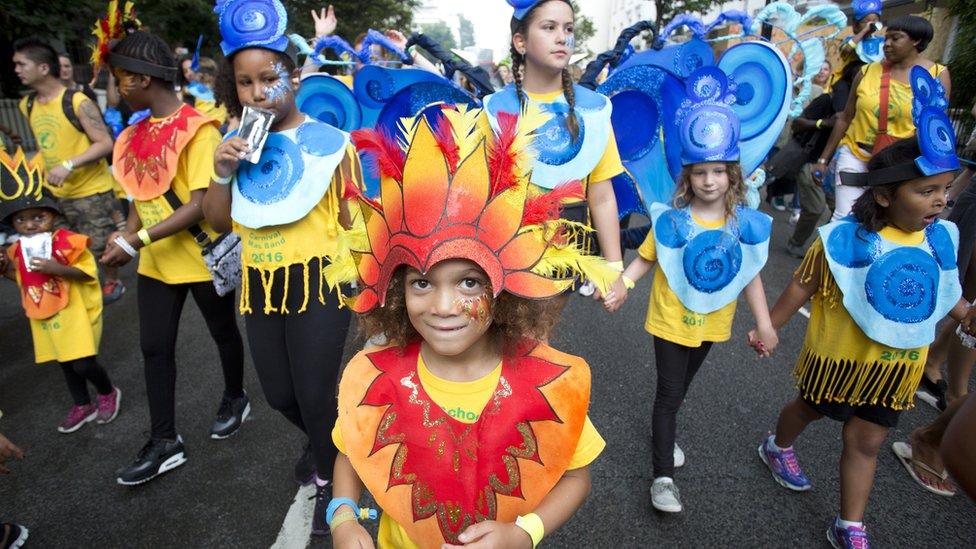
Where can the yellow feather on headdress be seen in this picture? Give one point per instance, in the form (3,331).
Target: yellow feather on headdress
(108,29)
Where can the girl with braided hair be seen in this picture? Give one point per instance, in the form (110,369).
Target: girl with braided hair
(575,139)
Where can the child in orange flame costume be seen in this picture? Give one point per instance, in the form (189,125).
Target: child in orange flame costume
(467,427)
(60,293)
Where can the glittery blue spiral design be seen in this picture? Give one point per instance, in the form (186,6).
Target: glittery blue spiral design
(318,139)
(707,84)
(328,100)
(672,228)
(275,174)
(554,144)
(942,247)
(903,285)
(709,132)
(246,23)
(937,141)
(864,7)
(711,261)
(852,246)
(410,101)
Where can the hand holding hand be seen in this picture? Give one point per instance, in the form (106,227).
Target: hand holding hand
(764,340)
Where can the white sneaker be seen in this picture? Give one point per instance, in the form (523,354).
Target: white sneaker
(587,289)
(665,496)
(794,217)
(679,456)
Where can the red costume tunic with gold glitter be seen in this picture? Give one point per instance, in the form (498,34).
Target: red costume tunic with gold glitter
(146,155)
(435,475)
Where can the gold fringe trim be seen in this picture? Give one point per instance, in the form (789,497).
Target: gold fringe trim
(890,383)
(268,278)
(815,262)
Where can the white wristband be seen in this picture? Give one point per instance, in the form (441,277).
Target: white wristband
(68,165)
(124,244)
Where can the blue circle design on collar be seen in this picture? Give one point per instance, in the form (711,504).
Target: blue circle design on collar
(903,285)
(940,243)
(852,246)
(672,228)
(712,260)
(553,141)
(318,139)
(275,174)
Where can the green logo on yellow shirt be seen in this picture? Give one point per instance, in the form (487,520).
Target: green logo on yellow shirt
(461,414)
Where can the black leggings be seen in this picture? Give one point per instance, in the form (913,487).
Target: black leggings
(298,355)
(80,371)
(676,367)
(160,307)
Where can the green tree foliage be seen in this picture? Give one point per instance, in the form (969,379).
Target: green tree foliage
(584,29)
(440,32)
(962,63)
(667,9)
(466,31)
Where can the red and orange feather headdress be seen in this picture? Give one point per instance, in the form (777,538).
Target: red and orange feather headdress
(108,29)
(456,190)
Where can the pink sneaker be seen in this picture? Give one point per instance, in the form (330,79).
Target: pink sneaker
(108,406)
(77,416)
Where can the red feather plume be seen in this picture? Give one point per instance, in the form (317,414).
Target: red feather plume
(445,140)
(385,151)
(502,156)
(351,190)
(547,206)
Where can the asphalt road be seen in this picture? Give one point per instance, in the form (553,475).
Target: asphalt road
(237,492)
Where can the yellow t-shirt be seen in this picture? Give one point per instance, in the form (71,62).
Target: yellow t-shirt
(75,331)
(838,356)
(464,401)
(210,109)
(176,259)
(669,319)
(864,128)
(58,141)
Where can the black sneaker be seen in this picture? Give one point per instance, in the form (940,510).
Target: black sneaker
(933,392)
(305,467)
(323,495)
(156,457)
(12,535)
(230,416)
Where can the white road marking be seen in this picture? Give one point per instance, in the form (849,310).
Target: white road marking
(804,312)
(296,531)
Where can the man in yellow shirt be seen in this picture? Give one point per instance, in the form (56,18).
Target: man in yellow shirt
(74,141)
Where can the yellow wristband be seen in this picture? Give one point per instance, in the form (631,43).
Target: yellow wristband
(533,526)
(628,283)
(345,515)
(143,235)
(616,265)
(819,123)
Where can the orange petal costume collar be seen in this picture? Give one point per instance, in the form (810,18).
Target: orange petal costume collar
(44,295)
(455,189)
(436,476)
(147,154)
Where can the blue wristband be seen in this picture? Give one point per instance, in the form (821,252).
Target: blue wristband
(338,502)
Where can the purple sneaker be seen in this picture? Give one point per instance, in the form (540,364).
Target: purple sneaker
(108,405)
(852,537)
(78,416)
(783,465)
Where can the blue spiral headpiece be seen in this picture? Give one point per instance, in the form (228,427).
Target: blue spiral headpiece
(863,8)
(523,7)
(707,126)
(252,24)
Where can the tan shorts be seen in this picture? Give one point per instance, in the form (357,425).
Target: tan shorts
(93,216)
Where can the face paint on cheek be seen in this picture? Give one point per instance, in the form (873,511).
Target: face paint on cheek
(282,87)
(571,42)
(476,308)
(127,84)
